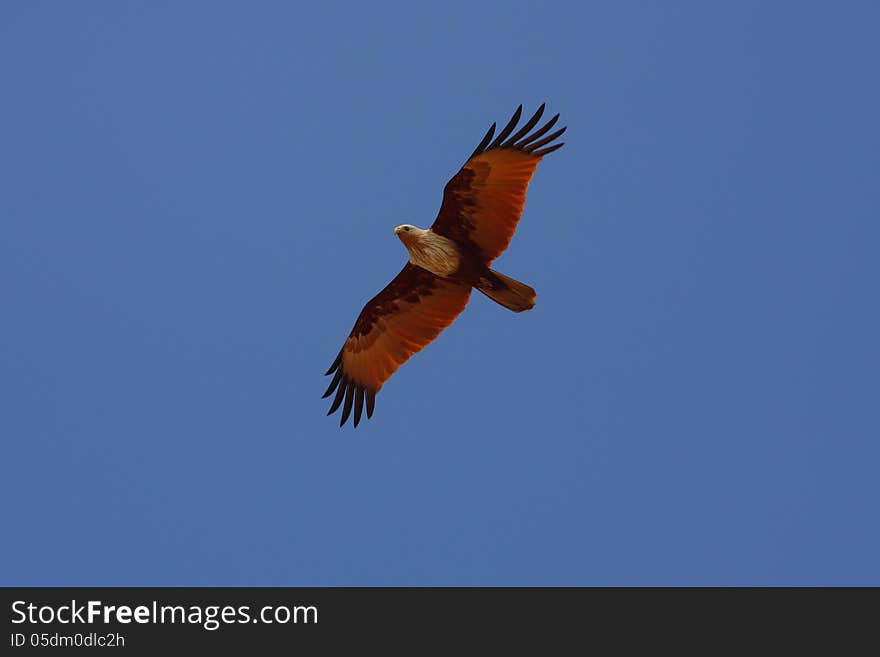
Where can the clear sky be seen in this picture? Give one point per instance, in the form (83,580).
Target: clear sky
(198,198)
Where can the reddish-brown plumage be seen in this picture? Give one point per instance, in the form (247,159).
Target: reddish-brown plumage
(481,207)
(482,204)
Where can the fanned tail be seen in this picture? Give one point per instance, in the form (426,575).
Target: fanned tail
(508,292)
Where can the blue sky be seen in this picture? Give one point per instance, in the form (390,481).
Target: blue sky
(198,199)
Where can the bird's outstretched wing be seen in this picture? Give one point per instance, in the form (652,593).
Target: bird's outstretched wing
(399,321)
(483,202)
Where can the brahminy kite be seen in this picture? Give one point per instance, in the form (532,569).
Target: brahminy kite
(481,207)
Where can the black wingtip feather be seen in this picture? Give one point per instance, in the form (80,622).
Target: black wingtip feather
(549,149)
(349,396)
(358,405)
(335,365)
(338,399)
(333,384)
(371,403)
(546,140)
(507,129)
(479,149)
(525,129)
(537,133)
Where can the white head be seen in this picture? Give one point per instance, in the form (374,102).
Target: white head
(428,250)
(408,233)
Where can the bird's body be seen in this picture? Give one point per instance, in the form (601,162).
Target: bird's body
(481,207)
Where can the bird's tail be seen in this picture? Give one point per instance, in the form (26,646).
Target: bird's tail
(510,293)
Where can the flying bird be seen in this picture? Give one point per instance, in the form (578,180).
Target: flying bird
(481,207)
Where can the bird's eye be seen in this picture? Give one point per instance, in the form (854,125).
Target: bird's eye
(407,229)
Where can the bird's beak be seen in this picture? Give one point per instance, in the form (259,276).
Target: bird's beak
(397,230)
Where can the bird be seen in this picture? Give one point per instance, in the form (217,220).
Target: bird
(478,216)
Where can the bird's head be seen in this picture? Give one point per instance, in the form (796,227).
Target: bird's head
(407,233)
